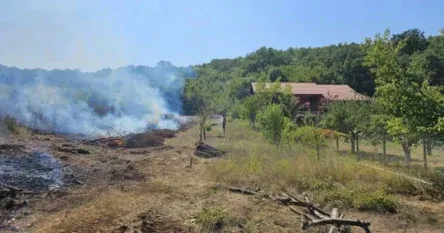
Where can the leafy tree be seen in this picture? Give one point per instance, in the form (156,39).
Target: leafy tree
(277,75)
(377,130)
(271,120)
(252,105)
(348,117)
(313,137)
(411,106)
(432,60)
(289,134)
(198,96)
(414,40)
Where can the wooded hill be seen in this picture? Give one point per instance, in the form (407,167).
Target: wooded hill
(229,79)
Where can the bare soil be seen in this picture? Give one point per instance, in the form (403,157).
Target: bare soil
(163,189)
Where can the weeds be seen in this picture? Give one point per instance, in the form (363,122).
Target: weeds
(212,218)
(336,180)
(377,201)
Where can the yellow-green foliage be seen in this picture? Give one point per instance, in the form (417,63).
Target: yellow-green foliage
(310,136)
(212,219)
(271,120)
(377,201)
(335,180)
(289,135)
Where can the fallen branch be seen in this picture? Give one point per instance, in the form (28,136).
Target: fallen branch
(315,216)
(242,191)
(334,214)
(337,221)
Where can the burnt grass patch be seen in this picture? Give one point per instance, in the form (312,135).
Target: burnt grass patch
(149,139)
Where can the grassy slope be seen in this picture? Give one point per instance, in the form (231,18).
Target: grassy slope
(337,180)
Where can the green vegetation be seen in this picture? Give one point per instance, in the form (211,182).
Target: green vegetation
(334,180)
(412,108)
(282,144)
(402,72)
(271,120)
(212,219)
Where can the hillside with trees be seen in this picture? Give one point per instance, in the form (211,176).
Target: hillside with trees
(403,73)
(335,64)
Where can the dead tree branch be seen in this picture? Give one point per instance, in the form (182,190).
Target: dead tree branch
(242,191)
(315,216)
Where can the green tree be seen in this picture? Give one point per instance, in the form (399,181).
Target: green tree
(413,41)
(277,75)
(198,96)
(252,105)
(411,106)
(312,137)
(271,120)
(348,117)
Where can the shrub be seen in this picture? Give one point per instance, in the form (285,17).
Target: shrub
(377,201)
(271,120)
(252,105)
(401,186)
(312,137)
(11,124)
(212,218)
(340,198)
(289,133)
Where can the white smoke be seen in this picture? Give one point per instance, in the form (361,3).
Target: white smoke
(128,99)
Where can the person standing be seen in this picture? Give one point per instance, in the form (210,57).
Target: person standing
(224,122)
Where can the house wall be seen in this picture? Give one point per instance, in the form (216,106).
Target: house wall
(314,100)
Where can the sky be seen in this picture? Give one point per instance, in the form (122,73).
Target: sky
(95,34)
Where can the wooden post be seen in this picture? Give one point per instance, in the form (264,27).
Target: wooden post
(429,146)
(352,142)
(357,142)
(337,143)
(317,149)
(384,146)
(424,147)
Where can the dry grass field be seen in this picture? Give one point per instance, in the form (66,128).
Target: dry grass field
(155,189)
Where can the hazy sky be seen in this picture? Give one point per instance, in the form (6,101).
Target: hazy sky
(94,34)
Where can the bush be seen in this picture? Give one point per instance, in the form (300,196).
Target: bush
(289,135)
(377,201)
(271,120)
(212,219)
(401,186)
(340,198)
(252,105)
(236,110)
(11,124)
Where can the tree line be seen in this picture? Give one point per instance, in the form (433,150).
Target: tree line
(404,73)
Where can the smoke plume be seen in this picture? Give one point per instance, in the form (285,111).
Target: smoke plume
(127,99)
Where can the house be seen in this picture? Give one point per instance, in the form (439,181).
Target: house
(313,93)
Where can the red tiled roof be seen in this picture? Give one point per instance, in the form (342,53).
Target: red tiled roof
(339,92)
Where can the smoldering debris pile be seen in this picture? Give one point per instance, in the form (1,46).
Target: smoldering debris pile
(206,151)
(151,139)
(139,140)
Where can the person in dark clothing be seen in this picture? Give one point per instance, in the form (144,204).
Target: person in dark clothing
(224,122)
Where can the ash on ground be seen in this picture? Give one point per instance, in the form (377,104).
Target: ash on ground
(37,171)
